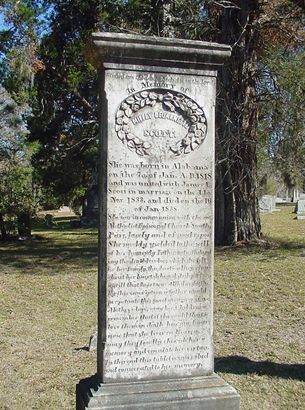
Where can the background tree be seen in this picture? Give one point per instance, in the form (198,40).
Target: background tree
(16,183)
(251,27)
(282,114)
(18,64)
(237,214)
(22,23)
(65,108)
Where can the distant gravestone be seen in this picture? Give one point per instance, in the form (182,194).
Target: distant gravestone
(92,345)
(267,203)
(300,209)
(49,221)
(90,216)
(155,327)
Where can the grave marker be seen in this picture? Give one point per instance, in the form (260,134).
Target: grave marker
(300,209)
(89,218)
(155,327)
(267,203)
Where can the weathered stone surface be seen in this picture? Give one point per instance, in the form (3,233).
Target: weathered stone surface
(92,345)
(198,393)
(159,225)
(267,203)
(163,53)
(300,209)
(155,347)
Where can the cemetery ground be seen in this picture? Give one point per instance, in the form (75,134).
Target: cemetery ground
(48,311)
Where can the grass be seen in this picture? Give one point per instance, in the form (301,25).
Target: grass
(259,315)
(48,311)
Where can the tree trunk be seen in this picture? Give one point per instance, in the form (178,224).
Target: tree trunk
(2,228)
(237,212)
(24,224)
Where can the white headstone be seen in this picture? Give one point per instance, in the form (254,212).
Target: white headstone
(267,203)
(300,209)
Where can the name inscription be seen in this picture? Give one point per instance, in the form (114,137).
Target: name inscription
(160,108)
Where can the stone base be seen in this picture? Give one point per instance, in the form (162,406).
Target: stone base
(194,393)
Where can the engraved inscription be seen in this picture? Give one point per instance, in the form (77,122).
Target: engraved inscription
(159,258)
(160,107)
(159,225)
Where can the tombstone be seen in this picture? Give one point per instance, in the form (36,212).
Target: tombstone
(267,203)
(300,209)
(89,218)
(155,325)
(49,222)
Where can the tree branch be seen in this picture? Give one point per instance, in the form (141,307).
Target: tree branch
(225,4)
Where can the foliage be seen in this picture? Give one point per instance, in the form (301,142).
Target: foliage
(18,60)
(64,103)
(16,190)
(64,110)
(251,27)
(282,124)
(18,64)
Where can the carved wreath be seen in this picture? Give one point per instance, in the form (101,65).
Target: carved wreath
(171,101)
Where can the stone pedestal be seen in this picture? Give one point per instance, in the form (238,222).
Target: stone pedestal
(155,326)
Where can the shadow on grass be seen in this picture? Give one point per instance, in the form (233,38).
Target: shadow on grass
(85,348)
(243,365)
(286,245)
(264,245)
(29,256)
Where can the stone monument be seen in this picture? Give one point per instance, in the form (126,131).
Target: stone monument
(267,203)
(155,319)
(300,209)
(89,218)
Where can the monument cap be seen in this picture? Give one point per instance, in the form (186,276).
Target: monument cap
(160,51)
